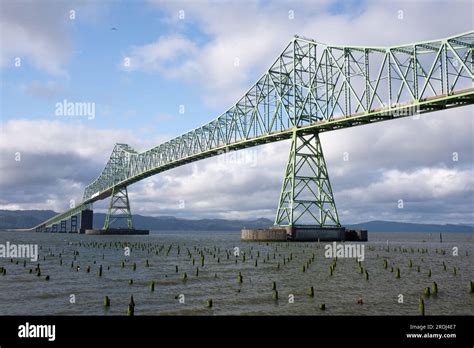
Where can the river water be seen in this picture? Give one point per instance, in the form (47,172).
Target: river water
(71,290)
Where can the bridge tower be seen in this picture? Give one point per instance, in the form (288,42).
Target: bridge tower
(306,197)
(119,209)
(306,208)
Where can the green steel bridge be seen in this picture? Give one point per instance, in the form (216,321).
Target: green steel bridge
(310,88)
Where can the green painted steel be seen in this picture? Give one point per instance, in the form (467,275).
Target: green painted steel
(306,196)
(63,216)
(311,87)
(119,209)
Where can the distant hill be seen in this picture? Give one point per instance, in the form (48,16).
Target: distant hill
(171,223)
(392,226)
(10,219)
(23,218)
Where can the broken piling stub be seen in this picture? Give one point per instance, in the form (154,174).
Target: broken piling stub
(434,288)
(421,306)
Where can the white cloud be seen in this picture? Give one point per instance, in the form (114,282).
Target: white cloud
(40,33)
(36,33)
(242,186)
(44,164)
(388,161)
(158,55)
(428,141)
(40,89)
(417,185)
(408,158)
(55,137)
(254,33)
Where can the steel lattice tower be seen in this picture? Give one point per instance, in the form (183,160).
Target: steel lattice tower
(306,196)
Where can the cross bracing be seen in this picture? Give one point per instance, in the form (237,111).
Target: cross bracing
(311,88)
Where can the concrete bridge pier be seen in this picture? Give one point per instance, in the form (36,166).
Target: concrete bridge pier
(73,225)
(306,208)
(304,234)
(87,216)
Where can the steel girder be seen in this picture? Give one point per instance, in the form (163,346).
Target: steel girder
(313,87)
(309,84)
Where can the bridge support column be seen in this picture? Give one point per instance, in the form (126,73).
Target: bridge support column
(73,224)
(87,216)
(306,208)
(119,209)
(62,227)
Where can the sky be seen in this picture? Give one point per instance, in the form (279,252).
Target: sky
(155,69)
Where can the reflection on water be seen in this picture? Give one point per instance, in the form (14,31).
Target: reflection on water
(24,293)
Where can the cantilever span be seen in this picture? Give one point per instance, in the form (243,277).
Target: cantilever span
(310,88)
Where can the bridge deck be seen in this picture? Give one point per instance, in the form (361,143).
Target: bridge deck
(310,87)
(443,102)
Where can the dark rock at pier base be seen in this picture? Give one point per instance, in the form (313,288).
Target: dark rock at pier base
(117,231)
(280,233)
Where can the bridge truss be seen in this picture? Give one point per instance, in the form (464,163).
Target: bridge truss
(309,89)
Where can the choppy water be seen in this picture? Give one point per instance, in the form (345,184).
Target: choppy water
(24,293)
